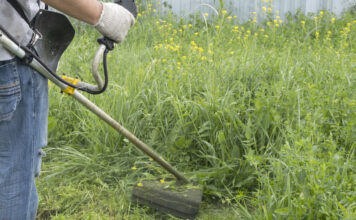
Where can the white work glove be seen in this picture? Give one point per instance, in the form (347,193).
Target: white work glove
(115,21)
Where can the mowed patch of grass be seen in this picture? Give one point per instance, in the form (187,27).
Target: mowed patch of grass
(262,115)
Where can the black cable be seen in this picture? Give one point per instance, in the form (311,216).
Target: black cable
(32,54)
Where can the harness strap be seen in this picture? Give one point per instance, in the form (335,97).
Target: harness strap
(19,10)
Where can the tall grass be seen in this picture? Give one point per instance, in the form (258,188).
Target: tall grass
(262,115)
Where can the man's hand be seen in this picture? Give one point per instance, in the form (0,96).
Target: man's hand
(115,21)
(112,20)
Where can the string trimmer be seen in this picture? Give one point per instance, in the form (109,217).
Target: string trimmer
(179,197)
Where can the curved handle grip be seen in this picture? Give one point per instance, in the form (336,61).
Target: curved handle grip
(106,44)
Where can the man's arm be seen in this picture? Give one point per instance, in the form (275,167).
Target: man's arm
(88,11)
(112,20)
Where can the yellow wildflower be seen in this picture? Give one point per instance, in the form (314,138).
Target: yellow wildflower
(333,20)
(217,26)
(184,57)
(264,9)
(229,17)
(224,12)
(139,184)
(203,58)
(206,14)
(196,33)
(134,168)
(162,180)
(303,22)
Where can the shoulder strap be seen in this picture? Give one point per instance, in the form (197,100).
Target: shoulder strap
(19,9)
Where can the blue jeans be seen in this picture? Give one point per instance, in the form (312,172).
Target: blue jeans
(23,132)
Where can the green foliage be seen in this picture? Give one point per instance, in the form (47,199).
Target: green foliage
(262,115)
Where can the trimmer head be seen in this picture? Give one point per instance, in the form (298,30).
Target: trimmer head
(167,196)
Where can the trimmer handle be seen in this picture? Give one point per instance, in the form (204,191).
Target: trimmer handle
(106,44)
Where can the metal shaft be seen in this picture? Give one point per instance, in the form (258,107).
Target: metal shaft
(133,139)
(16,50)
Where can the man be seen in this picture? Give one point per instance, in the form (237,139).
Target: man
(24,99)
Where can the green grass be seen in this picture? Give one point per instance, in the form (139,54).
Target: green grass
(263,117)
